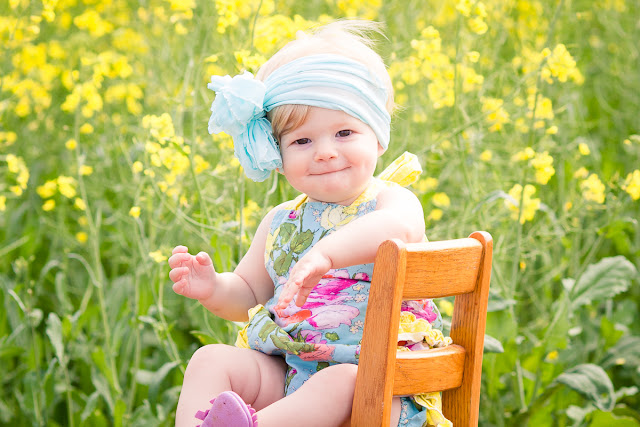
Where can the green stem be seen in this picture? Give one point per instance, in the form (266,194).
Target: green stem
(95,250)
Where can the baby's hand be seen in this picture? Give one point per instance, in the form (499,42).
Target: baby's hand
(303,277)
(193,276)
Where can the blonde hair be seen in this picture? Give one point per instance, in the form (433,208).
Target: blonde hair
(347,38)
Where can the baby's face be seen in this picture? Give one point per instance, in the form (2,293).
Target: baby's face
(331,157)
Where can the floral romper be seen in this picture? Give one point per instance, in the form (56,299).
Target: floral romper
(327,329)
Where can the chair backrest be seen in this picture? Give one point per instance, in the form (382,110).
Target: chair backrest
(460,267)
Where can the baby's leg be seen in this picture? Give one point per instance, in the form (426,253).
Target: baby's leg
(324,400)
(256,377)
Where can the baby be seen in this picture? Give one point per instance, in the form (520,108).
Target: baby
(318,112)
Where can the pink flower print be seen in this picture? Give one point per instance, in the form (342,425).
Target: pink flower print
(337,274)
(322,353)
(293,214)
(421,309)
(328,291)
(362,276)
(332,316)
(312,337)
(291,314)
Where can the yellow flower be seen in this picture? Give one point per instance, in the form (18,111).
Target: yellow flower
(486,155)
(137,167)
(66,186)
(446,307)
(426,184)
(135,211)
(553,355)
(48,189)
(473,56)
(8,138)
(529,204)
(82,237)
(593,189)
(543,164)
(86,170)
(441,200)
(552,130)
(584,149)
(13,162)
(632,184)
(526,154)
(79,204)
(561,65)
(157,256)
(3,203)
(435,215)
(86,128)
(496,115)
(581,173)
(49,205)
(71,144)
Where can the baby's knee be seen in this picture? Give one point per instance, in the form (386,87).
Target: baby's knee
(344,372)
(211,355)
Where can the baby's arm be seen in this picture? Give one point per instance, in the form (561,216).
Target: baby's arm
(398,215)
(227,295)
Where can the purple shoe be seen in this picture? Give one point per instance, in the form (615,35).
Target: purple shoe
(228,410)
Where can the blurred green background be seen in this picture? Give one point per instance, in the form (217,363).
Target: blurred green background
(525,118)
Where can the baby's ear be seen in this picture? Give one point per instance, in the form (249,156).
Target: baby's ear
(381,150)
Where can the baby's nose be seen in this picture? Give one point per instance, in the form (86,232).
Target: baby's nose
(325,150)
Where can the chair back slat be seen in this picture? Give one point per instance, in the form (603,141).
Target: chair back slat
(425,371)
(441,269)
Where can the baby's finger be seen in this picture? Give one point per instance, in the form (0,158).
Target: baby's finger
(303,294)
(177,259)
(179,287)
(177,273)
(180,249)
(203,258)
(289,291)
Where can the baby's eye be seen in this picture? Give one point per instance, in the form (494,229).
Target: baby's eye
(344,133)
(302,141)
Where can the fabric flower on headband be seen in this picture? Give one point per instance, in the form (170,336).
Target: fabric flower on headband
(238,111)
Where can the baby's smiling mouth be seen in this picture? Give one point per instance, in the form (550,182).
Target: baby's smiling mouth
(329,171)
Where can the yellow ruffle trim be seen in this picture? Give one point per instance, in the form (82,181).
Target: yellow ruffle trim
(413,330)
(242,341)
(404,170)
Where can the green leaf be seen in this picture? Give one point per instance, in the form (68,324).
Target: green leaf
(592,382)
(266,330)
(282,264)
(157,378)
(286,231)
(626,351)
(492,345)
(607,419)
(54,332)
(321,366)
(302,241)
(333,336)
(605,279)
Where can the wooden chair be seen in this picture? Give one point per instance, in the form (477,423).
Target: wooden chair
(460,267)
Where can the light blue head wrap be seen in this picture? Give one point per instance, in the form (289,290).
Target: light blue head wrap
(328,81)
